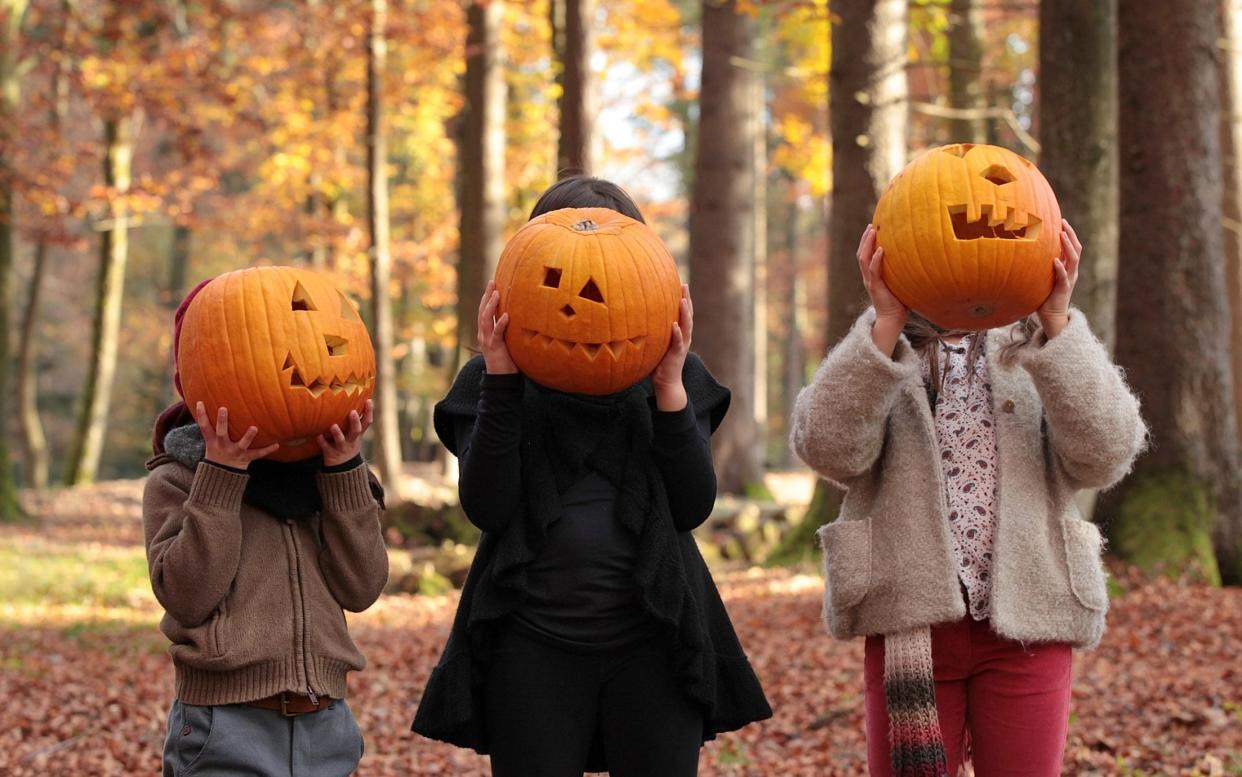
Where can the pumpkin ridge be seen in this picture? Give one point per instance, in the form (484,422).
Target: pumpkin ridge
(267,315)
(228,342)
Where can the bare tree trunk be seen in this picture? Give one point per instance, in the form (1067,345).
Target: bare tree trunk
(92,424)
(965,36)
(11,14)
(1078,128)
(868,116)
(721,239)
(793,302)
(482,169)
(759,254)
(1174,334)
(387,434)
(34,442)
(576,146)
(1231,141)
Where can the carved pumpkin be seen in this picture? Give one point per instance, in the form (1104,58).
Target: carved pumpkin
(283,349)
(591,296)
(969,233)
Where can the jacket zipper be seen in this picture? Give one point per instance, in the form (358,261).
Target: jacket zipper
(301,604)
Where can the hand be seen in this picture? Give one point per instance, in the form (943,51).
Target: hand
(666,378)
(1054,313)
(890,313)
(492,334)
(222,450)
(339,447)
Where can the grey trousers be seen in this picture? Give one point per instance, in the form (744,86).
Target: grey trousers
(236,740)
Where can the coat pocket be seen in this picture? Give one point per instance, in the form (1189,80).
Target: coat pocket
(1083,546)
(847,561)
(216,628)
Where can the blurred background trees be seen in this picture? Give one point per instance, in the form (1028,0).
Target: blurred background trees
(395,144)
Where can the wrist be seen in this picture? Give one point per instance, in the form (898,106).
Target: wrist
(498,367)
(235,466)
(1053,323)
(670,397)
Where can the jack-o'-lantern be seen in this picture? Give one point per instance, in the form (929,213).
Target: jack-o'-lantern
(591,296)
(283,349)
(969,233)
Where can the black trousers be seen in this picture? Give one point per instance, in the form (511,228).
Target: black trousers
(546,704)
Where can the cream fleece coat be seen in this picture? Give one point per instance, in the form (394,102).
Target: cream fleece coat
(1065,420)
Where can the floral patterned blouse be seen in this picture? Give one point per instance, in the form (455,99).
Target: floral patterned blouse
(966,432)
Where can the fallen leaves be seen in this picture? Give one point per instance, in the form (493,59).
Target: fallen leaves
(87,689)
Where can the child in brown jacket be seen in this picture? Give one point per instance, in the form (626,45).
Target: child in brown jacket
(254,562)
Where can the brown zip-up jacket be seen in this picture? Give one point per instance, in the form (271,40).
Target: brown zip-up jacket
(254,604)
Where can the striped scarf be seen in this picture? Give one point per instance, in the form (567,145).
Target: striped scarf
(910,696)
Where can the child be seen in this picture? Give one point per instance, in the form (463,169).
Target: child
(959,552)
(253,562)
(590,634)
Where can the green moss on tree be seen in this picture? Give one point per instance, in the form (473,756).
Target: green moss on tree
(1165,523)
(798,546)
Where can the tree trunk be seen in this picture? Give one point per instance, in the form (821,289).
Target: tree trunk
(1231,141)
(759,254)
(92,423)
(965,36)
(793,291)
(867,106)
(11,15)
(34,443)
(482,169)
(1078,128)
(575,148)
(1174,337)
(721,239)
(387,429)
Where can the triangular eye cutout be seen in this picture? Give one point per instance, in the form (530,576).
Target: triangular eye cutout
(301,298)
(288,362)
(348,311)
(999,175)
(591,291)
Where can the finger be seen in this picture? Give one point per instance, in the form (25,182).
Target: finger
(502,326)
(676,342)
(1060,274)
(324,445)
(248,437)
(487,295)
(338,436)
(686,321)
(1073,235)
(222,423)
(368,413)
(355,425)
(876,266)
(200,417)
(263,452)
(863,248)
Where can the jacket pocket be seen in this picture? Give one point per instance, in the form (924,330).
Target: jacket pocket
(847,561)
(1083,546)
(215,630)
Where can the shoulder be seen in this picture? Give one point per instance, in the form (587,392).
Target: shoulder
(166,476)
(461,401)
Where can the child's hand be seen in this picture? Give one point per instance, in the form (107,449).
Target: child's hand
(890,313)
(1054,313)
(339,447)
(492,334)
(222,450)
(666,378)
(871,265)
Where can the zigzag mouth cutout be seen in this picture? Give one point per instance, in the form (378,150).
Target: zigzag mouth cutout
(987,227)
(615,348)
(349,385)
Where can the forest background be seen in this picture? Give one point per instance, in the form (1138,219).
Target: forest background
(396,144)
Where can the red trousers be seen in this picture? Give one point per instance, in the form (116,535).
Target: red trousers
(1002,706)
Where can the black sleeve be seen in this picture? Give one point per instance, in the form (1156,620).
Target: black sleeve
(682,451)
(489,452)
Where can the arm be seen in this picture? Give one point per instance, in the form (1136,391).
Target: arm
(1094,426)
(193,538)
(839,420)
(489,450)
(353,559)
(682,452)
